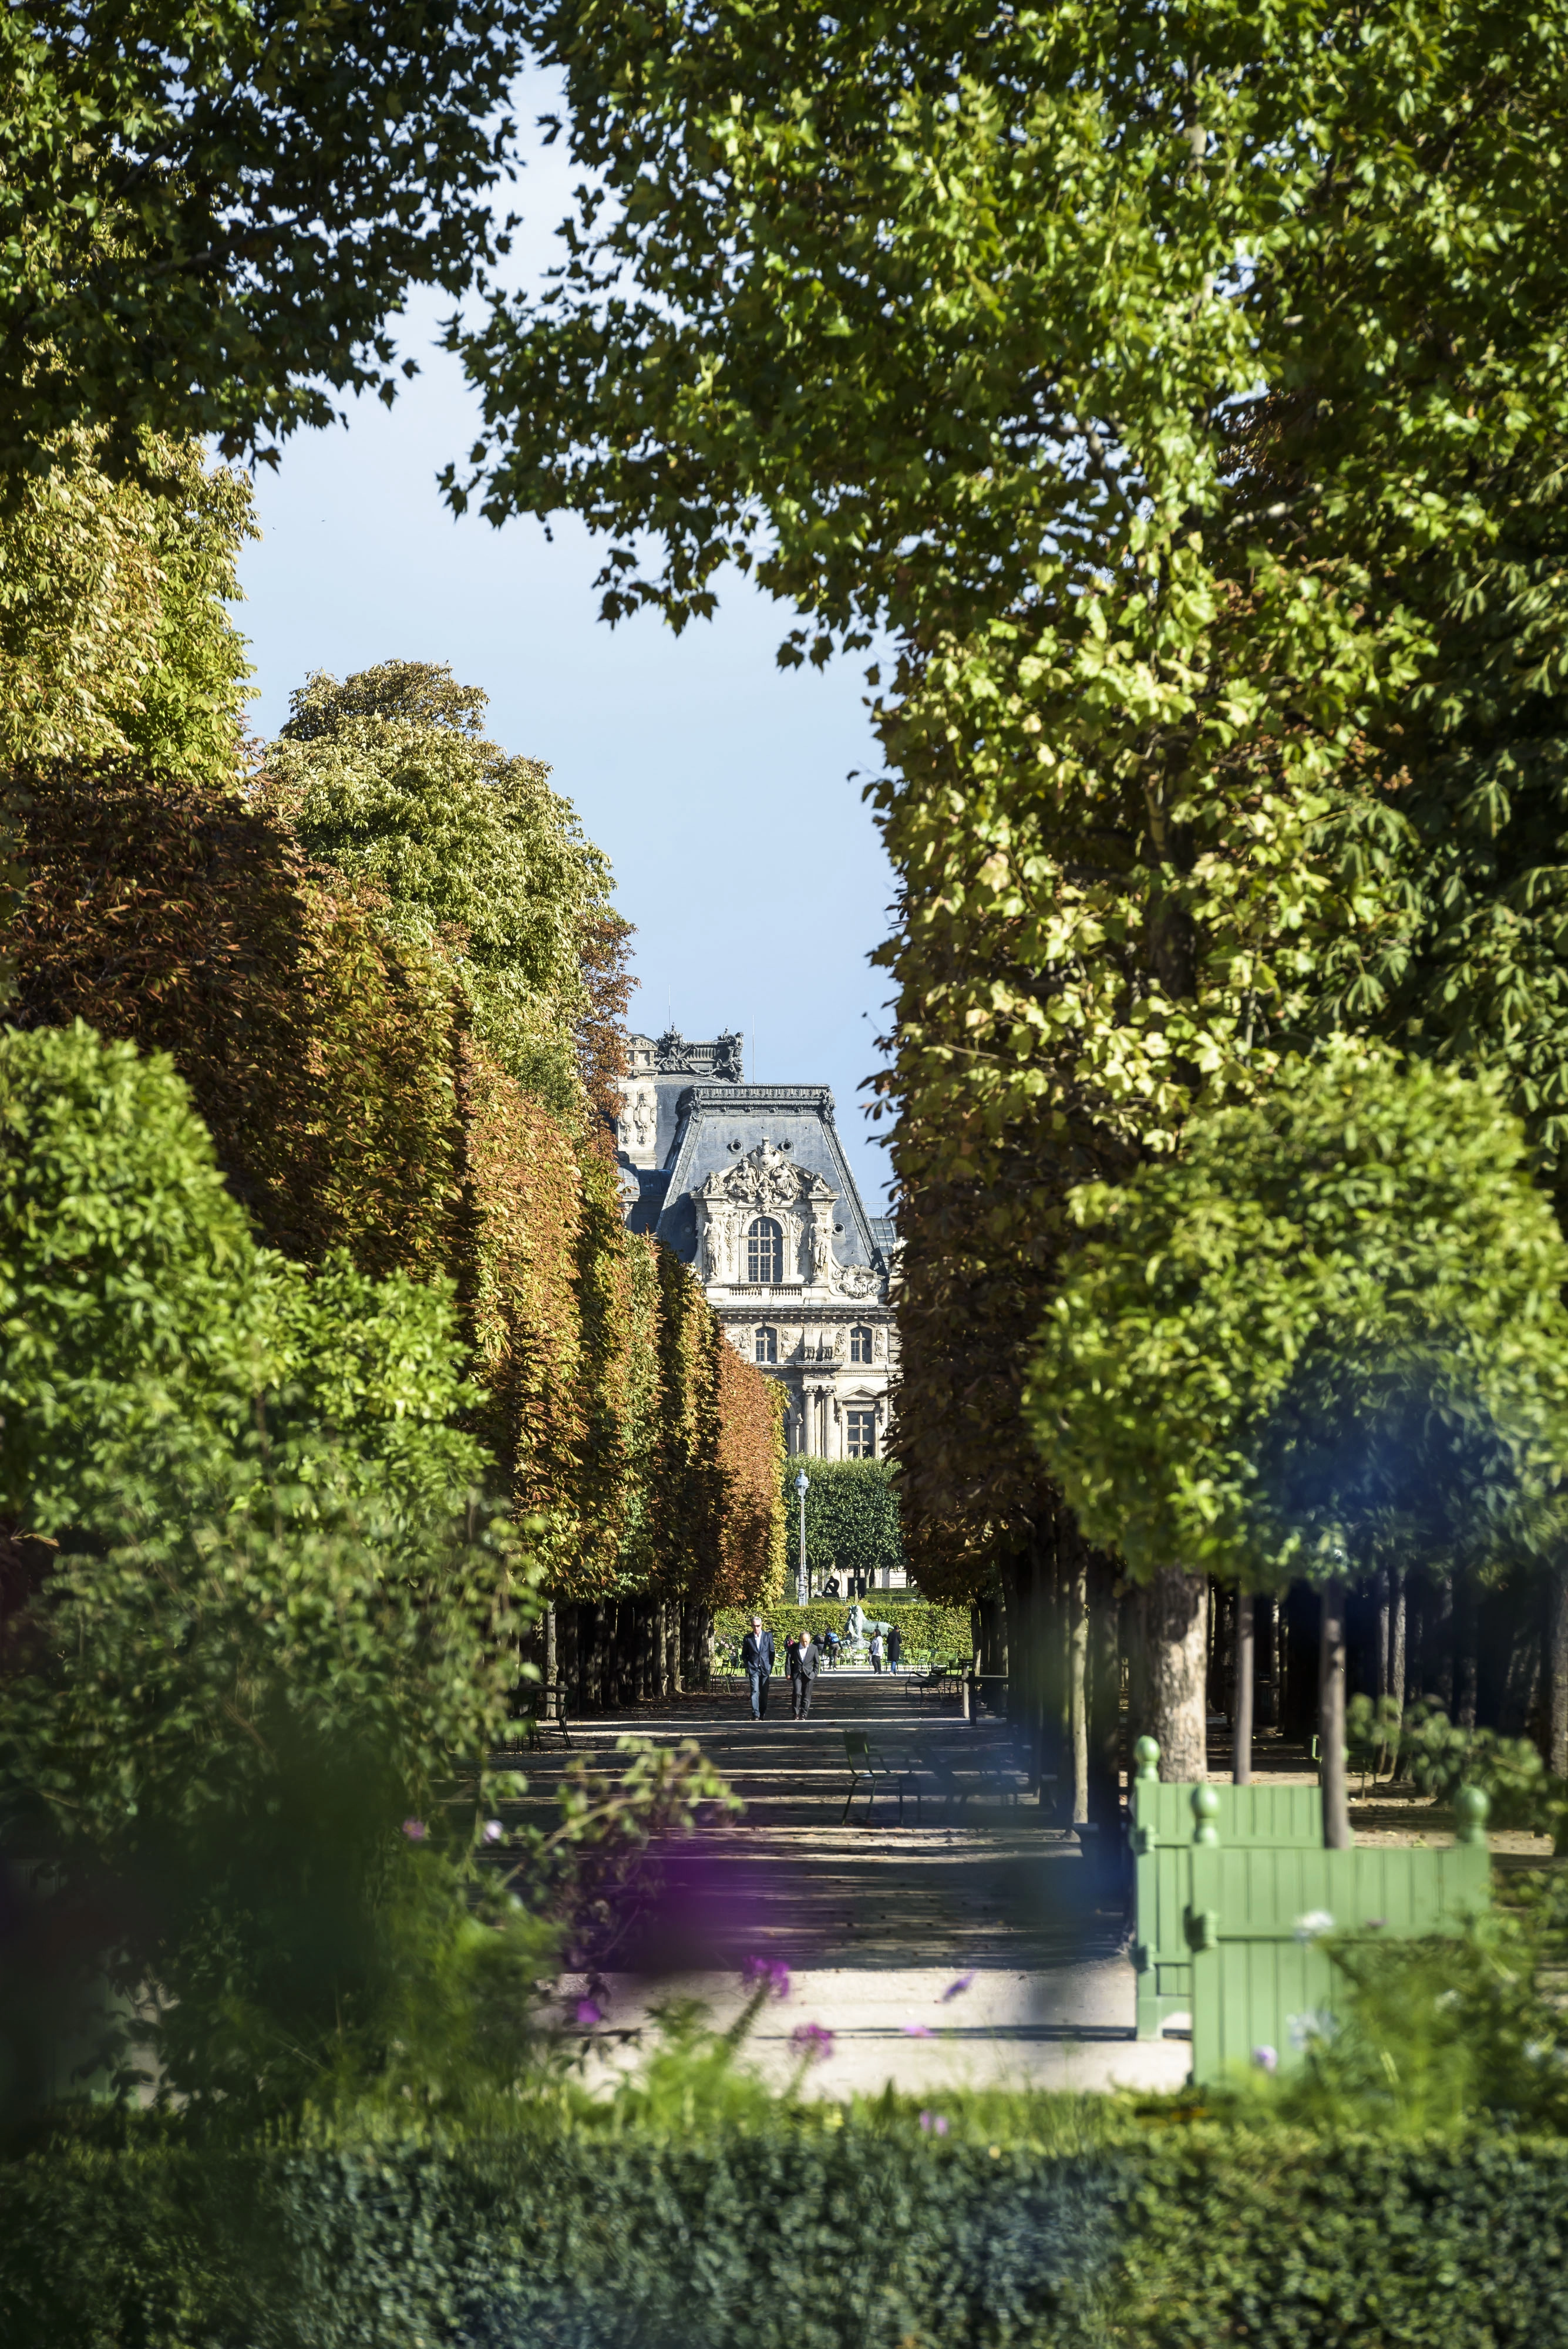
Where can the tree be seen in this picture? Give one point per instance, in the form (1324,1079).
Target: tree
(851,1515)
(114,635)
(1328,1337)
(255,1612)
(387,778)
(1222,405)
(209,211)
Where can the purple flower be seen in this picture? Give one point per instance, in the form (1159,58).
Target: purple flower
(589,2013)
(814,2040)
(771,1970)
(415,1829)
(934,2124)
(1266,2059)
(919,2031)
(957,1989)
(494,1831)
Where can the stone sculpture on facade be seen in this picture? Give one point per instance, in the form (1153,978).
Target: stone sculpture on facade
(750,1184)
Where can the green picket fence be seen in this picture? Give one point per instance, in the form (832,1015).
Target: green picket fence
(1235,1899)
(1162,1831)
(1263,1984)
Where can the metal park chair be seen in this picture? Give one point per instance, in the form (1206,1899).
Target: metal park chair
(864,1761)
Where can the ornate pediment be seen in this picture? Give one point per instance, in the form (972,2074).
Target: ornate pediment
(766,1176)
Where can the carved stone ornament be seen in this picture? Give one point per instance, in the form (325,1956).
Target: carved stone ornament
(628,1191)
(670,1056)
(857,1281)
(726,1058)
(765,1177)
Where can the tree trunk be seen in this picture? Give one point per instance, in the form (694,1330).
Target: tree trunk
(1174,1612)
(1437,1644)
(1105,1700)
(1330,1720)
(1242,1714)
(1467,1661)
(1557,1671)
(1078,1684)
(1397,1627)
(1301,1636)
(552,1659)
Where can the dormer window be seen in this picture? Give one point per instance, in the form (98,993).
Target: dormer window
(764,1250)
(860,1343)
(767,1345)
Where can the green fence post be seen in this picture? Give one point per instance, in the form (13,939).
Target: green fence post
(1471,1806)
(1146,1773)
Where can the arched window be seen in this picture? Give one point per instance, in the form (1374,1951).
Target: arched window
(768,1343)
(860,1343)
(862,1435)
(764,1250)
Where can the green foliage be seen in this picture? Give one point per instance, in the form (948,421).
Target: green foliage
(1291,2238)
(130,1297)
(272,1617)
(1331,1331)
(1026,2227)
(702,2236)
(1440,1758)
(210,207)
(114,632)
(387,778)
(1211,494)
(851,1515)
(927,1629)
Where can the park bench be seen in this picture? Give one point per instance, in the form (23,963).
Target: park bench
(1161,1836)
(1263,1984)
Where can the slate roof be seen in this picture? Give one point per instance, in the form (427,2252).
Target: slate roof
(717,1123)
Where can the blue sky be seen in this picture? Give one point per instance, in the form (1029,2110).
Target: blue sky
(716,783)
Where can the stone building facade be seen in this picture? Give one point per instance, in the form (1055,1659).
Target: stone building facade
(749,1184)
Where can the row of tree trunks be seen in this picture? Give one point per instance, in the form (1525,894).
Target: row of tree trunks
(604,1654)
(1493,1659)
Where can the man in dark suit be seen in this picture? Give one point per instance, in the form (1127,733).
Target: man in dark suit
(757,1656)
(803,1658)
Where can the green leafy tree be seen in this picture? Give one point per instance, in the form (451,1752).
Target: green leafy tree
(115,639)
(851,1517)
(387,778)
(255,1614)
(1330,1336)
(1182,394)
(210,207)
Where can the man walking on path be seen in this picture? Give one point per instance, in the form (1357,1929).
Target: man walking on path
(895,1647)
(804,1657)
(757,1656)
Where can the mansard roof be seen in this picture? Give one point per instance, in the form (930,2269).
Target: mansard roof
(718,1125)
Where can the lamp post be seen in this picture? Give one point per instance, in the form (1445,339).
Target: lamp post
(802,1487)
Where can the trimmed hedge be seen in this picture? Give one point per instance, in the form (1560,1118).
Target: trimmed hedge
(943,1630)
(799,2234)
(1368,2242)
(787,2237)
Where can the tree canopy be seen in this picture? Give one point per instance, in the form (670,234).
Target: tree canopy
(210,207)
(851,1515)
(387,779)
(1329,1335)
(1180,392)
